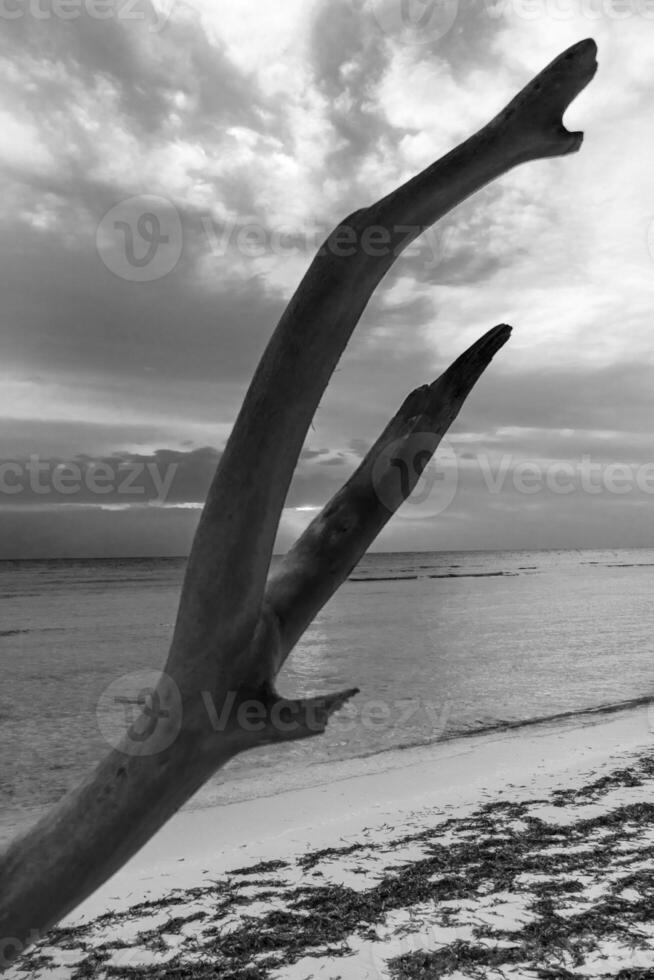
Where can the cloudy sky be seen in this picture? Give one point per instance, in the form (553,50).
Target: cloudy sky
(167,173)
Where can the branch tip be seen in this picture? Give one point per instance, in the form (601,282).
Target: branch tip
(293,719)
(537,111)
(467,368)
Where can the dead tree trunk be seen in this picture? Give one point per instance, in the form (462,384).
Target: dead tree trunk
(234,628)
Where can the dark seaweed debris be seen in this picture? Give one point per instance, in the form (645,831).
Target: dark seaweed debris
(501,849)
(262,868)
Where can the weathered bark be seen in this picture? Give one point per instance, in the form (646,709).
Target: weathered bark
(233,631)
(325,554)
(241,514)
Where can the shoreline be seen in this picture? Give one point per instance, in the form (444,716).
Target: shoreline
(351,793)
(267,844)
(239,789)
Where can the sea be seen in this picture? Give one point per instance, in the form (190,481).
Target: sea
(441,645)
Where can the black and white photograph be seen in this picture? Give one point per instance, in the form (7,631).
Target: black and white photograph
(327,489)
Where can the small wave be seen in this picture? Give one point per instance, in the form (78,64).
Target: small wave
(472,574)
(446,566)
(20,595)
(618,564)
(635,564)
(409,578)
(37,629)
(601,709)
(251,787)
(489,728)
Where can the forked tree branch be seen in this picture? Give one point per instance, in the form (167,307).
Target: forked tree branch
(138,786)
(325,554)
(242,514)
(232,633)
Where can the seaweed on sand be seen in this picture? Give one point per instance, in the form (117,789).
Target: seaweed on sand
(503,851)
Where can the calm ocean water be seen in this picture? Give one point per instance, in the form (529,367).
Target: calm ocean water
(440,644)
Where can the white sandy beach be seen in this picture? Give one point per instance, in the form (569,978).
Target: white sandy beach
(193,880)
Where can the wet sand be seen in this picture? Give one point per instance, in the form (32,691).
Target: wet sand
(502,855)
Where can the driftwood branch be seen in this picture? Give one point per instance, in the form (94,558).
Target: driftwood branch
(325,554)
(242,514)
(234,629)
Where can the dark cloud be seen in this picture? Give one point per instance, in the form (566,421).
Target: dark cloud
(65,310)
(63,438)
(542,445)
(477,518)
(167,476)
(348,61)
(182,348)
(146,59)
(126,479)
(471,245)
(89,532)
(470,43)
(68,507)
(308,454)
(617,397)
